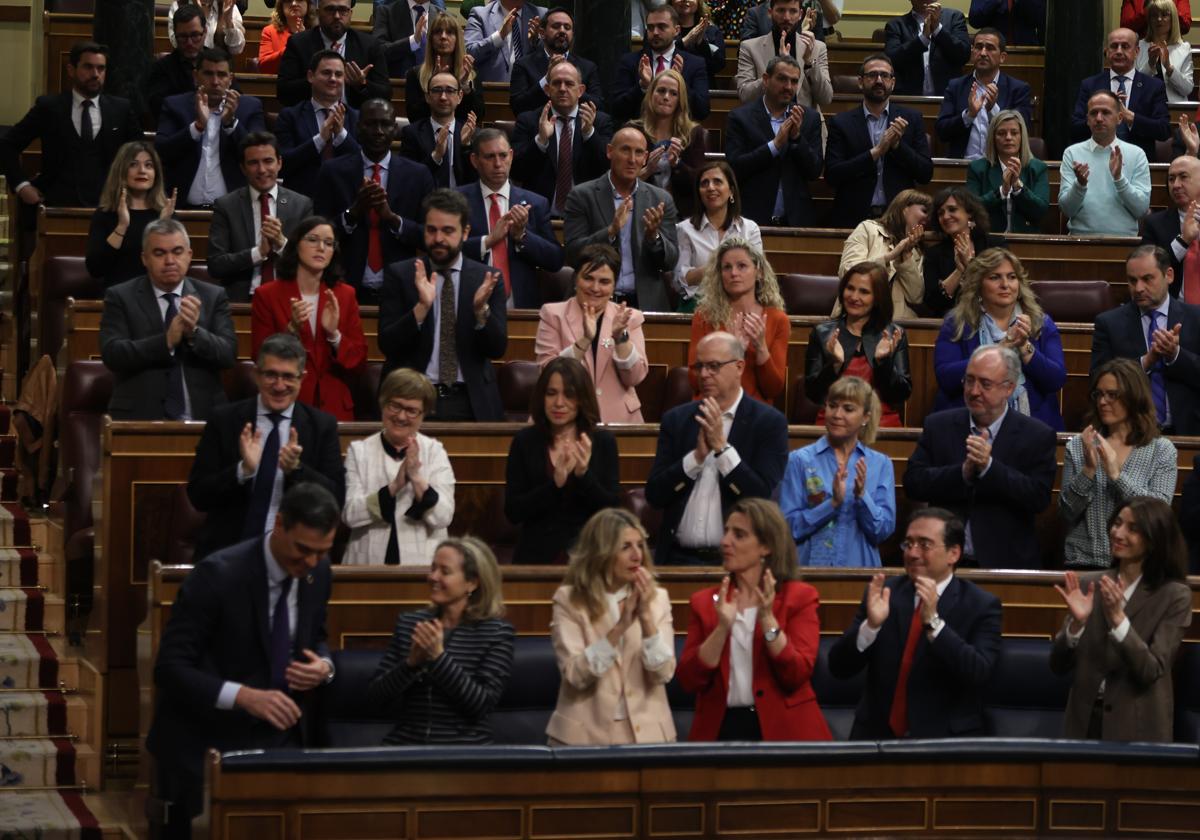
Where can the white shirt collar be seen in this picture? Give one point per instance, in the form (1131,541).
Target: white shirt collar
(454,266)
(77,99)
(732,410)
(1163,309)
(178,290)
(275,573)
(995,425)
(383,164)
(487,191)
(262,409)
(273,192)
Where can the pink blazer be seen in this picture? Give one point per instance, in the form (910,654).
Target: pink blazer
(561,324)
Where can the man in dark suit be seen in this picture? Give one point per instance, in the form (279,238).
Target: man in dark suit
(166,337)
(565,122)
(251,225)
(1144,118)
(1022,21)
(928,28)
(199,134)
(400,27)
(415,327)
(440,142)
(987,462)
(757,20)
(511,226)
(319,128)
(774,146)
(660,52)
(254,450)
(175,72)
(928,685)
(875,151)
(971,101)
(242,652)
(1162,333)
(373,199)
(530,75)
(712,452)
(1177,228)
(366,63)
(80,133)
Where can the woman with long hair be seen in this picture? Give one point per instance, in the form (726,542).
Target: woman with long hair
(675,140)
(132,197)
(445,52)
(1164,53)
(961,232)
(1009,181)
(893,240)
(717,216)
(700,36)
(287,18)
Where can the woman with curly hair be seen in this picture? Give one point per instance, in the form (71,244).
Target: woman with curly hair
(287,18)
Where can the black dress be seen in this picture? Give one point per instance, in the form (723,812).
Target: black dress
(116,265)
(939,264)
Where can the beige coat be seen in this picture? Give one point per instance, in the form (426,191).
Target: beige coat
(816,88)
(869,241)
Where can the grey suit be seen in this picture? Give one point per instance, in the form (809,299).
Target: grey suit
(231,236)
(494,63)
(1138,691)
(133,346)
(589,211)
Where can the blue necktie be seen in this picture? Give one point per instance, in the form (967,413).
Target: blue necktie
(174,406)
(1122,128)
(1158,384)
(281,637)
(264,483)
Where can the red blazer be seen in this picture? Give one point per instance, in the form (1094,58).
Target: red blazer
(271,47)
(325,375)
(783,693)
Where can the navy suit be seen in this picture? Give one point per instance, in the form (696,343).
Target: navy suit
(758,433)
(525,89)
(337,186)
(759,171)
(851,172)
(1024,24)
(1160,228)
(540,248)
(295,128)
(180,153)
(1013,94)
(1119,334)
(1000,507)
(949,673)
(537,170)
(218,631)
(1147,98)
(628,93)
(392,27)
(417,143)
(292,86)
(949,51)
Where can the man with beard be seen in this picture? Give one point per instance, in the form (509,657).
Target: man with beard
(1177,229)
(660,52)
(785,38)
(373,199)
(441,142)
(366,63)
(875,151)
(972,101)
(175,72)
(527,90)
(445,316)
(928,46)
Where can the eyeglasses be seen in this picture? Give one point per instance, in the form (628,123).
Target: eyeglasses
(443,91)
(711,367)
(313,239)
(274,376)
(340,11)
(921,544)
(190,36)
(1100,394)
(396,407)
(986,385)
(881,75)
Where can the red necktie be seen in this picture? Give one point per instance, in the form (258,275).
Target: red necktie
(1191,274)
(267,270)
(374,242)
(500,249)
(662,65)
(898,720)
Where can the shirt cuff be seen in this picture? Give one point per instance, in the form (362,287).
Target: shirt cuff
(256,256)
(632,359)
(655,651)
(1119,632)
(775,150)
(600,656)
(496,40)
(986,467)
(332,669)
(22,186)
(728,460)
(196,135)
(1073,638)
(242,475)
(230,128)
(229,693)
(1178,250)
(318,142)
(866,636)
(340,137)
(691,467)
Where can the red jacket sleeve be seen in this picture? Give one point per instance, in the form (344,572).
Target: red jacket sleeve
(693,675)
(352,351)
(796,611)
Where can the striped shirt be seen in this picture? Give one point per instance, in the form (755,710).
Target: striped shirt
(446,701)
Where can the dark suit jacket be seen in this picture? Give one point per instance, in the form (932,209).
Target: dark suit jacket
(181,154)
(627,91)
(338,184)
(1160,228)
(417,144)
(361,48)
(416,106)
(757,21)
(537,170)
(169,75)
(1013,95)
(133,346)
(950,49)
(213,486)
(231,236)
(406,344)
(295,128)
(1118,334)
(393,27)
(758,433)
(72,172)
(759,171)
(949,674)
(525,90)
(1189,515)
(714,60)
(1147,100)
(851,172)
(1024,24)
(1000,508)
(551,517)
(218,632)
(540,248)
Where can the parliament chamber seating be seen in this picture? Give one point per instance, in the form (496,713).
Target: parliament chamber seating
(1073,301)
(516,379)
(808,294)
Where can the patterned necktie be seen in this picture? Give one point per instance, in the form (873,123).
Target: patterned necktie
(86,134)
(500,249)
(264,483)
(566,163)
(518,42)
(281,637)
(898,720)
(174,406)
(268,265)
(1158,382)
(447,350)
(374,239)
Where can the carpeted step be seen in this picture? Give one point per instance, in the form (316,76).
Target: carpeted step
(38,762)
(24,610)
(19,567)
(14,525)
(28,661)
(47,815)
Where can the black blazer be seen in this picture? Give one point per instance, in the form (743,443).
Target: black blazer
(1147,99)
(406,344)
(181,154)
(169,75)
(525,90)
(938,264)
(213,487)
(949,51)
(627,92)
(1189,515)
(1001,507)
(361,48)
(72,171)
(759,172)
(892,380)
(758,432)
(551,517)
(949,674)
(417,144)
(1160,228)
(295,128)
(851,173)
(1118,334)
(337,186)
(416,107)
(1013,95)
(537,170)
(218,632)
(116,265)
(714,60)
(393,27)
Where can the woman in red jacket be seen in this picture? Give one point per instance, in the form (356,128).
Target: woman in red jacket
(752,642)
(309,300)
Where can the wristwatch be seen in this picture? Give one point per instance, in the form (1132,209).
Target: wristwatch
(935,624)
(622,336)
(772,634)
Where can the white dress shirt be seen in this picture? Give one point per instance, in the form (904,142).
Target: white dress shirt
(741,660)
(702,524)
(262,424)
(866,636)
(696,246)
(208,184)
(927,84)
(373,279)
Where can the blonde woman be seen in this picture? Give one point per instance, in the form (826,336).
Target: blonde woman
(1008,179)
(287,18)
(446,52)
(676,140)
(1164,53)
(894,241)
(699,36)
(614,640)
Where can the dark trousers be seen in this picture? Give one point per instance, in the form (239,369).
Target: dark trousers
(453,405)
(740,724)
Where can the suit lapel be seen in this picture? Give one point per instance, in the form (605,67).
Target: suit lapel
(258,599)
(247,210)
(149,303)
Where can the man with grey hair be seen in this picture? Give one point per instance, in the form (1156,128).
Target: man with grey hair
(165,336)
(988,463)
(712,452)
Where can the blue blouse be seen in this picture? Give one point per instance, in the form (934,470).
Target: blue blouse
(848,535)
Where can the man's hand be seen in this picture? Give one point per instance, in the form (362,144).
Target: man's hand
(651,219)
(1189,134)
(468,130)
(927,592)
(645,73)
(426,291)
(518,221)
(1081,173)
(272,231)
(1190,228)
(1114,162)
(203,111)
(331,127)
(805,45)
(677,63)
(483,294)
(546,124)
(306,675)
(587,117)
(419,28)
(229,110)
(290,452)
(991,95)
(620,216)
(878,601)
(275,707)
(499,232)
(250,443)
(979,452)
(977,101)
(368,192)
(711,427)
(184,322)
(1165,343)
(510,20)
(31,195)
(441,144)
(356,75)
(533,33)
(1125,114)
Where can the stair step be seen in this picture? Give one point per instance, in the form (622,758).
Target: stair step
(48,763)
(42,714)
(31,610)
(52,815)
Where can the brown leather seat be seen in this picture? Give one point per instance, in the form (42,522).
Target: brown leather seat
(555,286)
(808,294)
(803,411)
(633,499)
(62,277)
(1037,147)
(845,84)
(1164,151)
(516,380)
(507,126)
(239,381)
(678,390)
(712,140)
(364,390)
(1073,301)
(650,393)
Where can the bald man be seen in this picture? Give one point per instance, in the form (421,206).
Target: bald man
(1177,229)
